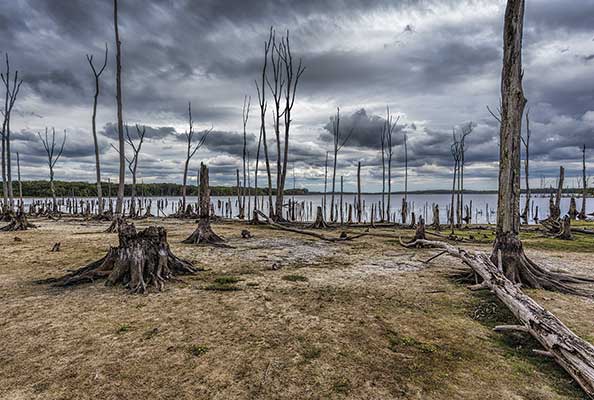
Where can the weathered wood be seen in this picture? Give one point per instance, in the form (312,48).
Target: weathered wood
(570,351)
(140,260)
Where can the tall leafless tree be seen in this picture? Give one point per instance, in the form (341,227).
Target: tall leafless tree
(582,214)
(261,89)
(12,88)
(191,149)
(284,89)
(133,162)
(97,75)
(526,143)
(121,140)
(507,249)
(465,130)
(455,149)
(383,156)
(325,199)
(245,117)
(21,204)
(389,126)
(404,210)
(339,143)
(53,155)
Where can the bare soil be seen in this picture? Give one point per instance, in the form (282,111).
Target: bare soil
(279,316)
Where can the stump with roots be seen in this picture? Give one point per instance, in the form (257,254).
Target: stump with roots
(142,259)
(18,222)
(565,229)
(420,231)
(204,233)
(518,268)
(319,222)
(255,220)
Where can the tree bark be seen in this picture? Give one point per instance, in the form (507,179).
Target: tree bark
(582,214)
(122,165)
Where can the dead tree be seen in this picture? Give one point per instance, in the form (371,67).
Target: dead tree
(517,267)
(21,203)
(436,225)
(245,117)
(455,150)
(555,207)
(359,209)
(465,130)
(53,155)
(582,214)
(12,89)
(383,156)
(526,143)
(339,143)
(319,223)
(286,79)
(325,199)
(191,149)
(573,213)
(404,210)
(141,260)
(17,222)
(133,163)
(204,233)
(97,75)
(389,125)
(261,89)
(121,142)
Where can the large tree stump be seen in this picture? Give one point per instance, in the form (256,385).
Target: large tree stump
(204,233)
(436,224)
(141,259)
(116,222)
(18,222)
(565,233)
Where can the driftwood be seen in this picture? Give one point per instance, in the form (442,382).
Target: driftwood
(571,352)
(140,260)
(343,237)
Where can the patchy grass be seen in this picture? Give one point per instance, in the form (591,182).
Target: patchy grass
(361,328)
(295,278)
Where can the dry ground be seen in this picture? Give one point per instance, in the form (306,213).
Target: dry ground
(360,320)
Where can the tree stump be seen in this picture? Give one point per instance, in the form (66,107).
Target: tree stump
(18,222)
(141,259)
(573,213)
(565,233)
(204,233)
(319,222)
(420,231)
(116,222)
(436,224)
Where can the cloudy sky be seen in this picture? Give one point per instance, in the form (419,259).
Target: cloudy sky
(435,63)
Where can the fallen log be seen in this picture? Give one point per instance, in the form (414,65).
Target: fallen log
(570,351)
(343,237)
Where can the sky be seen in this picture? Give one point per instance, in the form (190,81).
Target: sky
(435,63)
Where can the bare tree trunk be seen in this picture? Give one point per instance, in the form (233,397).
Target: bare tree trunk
(122,173)
(204,232)
(526,167)
(341,203)
(21,205)
(96,75)
(245,118)
(555,207)
(359,210)
(404,211)
(582,214)
(240,207)
(325,200)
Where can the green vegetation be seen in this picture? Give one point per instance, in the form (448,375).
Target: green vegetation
(197,350)
(123,328)
(295,278)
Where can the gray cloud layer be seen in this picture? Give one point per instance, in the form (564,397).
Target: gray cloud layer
(435,63)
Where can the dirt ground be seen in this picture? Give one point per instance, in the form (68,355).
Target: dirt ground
(279,316)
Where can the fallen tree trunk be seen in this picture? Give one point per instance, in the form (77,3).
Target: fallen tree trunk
(343,237)
(571,352)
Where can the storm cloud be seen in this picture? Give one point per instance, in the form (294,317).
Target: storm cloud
(435,63)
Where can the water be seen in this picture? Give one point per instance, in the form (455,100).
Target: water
(483,205)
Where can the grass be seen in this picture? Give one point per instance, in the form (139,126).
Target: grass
(295,278)
(197,350)
(358,333)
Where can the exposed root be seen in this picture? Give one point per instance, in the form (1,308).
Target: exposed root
(18,222)
(319,222)
(204,234)
(142,259)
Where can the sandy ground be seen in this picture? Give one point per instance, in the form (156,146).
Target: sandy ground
(360,320)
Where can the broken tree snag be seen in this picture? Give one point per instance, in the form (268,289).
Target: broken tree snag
(436,224)
(573,213)
(18,222)
(319,222)
(420,231)
(141,259)
(204,233)
(572,353)
(565,233)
